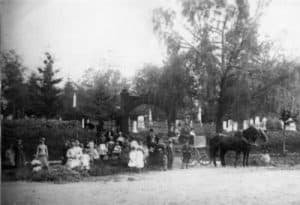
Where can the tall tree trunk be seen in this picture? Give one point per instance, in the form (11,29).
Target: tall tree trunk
(220,107)
(219,117)
(171,120)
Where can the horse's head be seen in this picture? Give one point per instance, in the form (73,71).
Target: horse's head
(255,134)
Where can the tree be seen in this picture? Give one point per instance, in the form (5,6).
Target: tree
(174,88)
(168,87)
(99,94)
(222,43)
(34,107)
(67,111)
(146,80)
(13,85)
(49,94)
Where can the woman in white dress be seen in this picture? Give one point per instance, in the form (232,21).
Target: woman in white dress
(132,154)
(73,158)
(136,156)
(140,157)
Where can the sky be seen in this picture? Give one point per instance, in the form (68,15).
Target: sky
(112,33)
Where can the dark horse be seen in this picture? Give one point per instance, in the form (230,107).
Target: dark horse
(240,141)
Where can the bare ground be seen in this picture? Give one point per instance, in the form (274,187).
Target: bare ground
(205,185)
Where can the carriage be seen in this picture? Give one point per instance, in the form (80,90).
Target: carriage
(199,150)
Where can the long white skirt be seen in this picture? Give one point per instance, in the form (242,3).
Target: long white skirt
(139,159)
(73,163)
(136,159)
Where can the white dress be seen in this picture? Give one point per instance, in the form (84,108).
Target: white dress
(136,155)
(140,157)
(102,149)
(73,160)
(85,161)
(132,158)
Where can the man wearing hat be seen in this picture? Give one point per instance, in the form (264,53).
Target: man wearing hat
(42,153)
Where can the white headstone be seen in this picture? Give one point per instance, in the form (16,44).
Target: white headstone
(141,122)
(225,125)
(251,122)
(235,126)
(74,100)
(199,116)
(82,123)
(291,127)
(245,124)
(230,126)
(177,122)
(150,117)
(257,121)
(264,123)
(134,127)
(191,124)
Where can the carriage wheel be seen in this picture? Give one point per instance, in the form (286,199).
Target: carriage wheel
(202,156)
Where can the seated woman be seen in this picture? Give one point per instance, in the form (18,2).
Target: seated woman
(10,157)
(73,157)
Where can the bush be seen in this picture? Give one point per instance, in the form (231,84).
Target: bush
(56,174)
(273,124)
(55,132)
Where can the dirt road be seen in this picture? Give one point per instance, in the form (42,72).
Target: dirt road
(209,186)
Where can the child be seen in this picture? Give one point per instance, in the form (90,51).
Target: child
(77,149)
(42,153)
(170,153)
(110,145)
(162,150)
(186,154)
(85,160)
(117,149)
(93,153)
(102,149)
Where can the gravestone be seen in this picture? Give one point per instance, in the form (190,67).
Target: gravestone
(235,126)
(134,127)
(245,124)
(257,122)
(140,122)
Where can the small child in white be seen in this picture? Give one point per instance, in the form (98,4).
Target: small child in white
(85,160)
(117,149)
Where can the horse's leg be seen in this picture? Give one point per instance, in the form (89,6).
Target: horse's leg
(244,157)
(214,153)
(237,156)
(247,157)
(222,156)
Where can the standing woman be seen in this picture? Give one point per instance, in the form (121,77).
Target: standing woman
(140,160)
(20,156)
(42,153)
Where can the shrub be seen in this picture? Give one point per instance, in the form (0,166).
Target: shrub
(55,132)
(273,124)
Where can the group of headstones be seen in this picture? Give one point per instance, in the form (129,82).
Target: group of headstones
(258,122)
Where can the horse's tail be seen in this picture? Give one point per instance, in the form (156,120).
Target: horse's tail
(214,146)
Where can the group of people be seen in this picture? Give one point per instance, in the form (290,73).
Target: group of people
(15,156)
(109,146)
(153,151)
